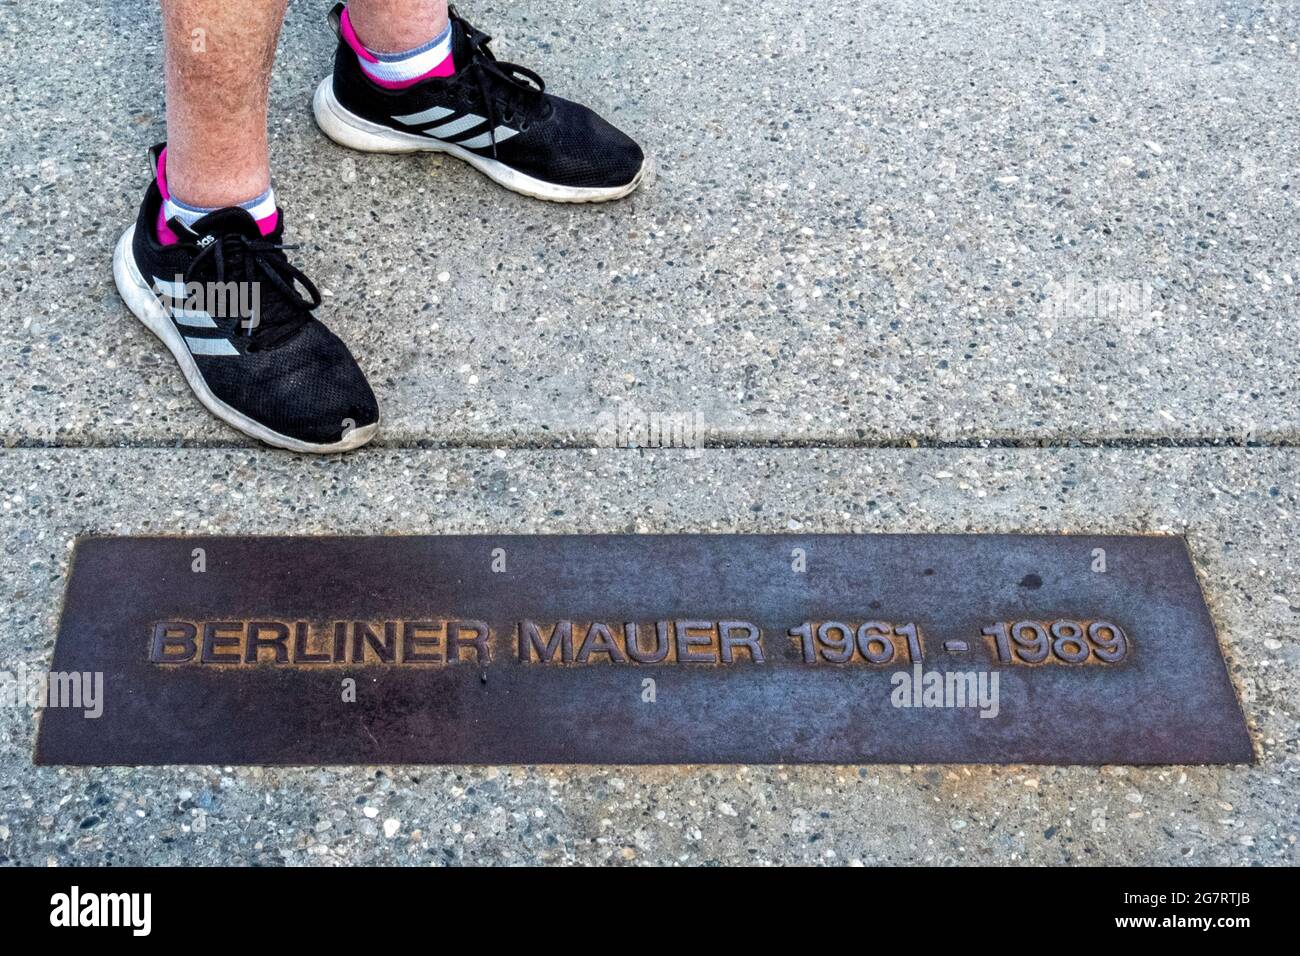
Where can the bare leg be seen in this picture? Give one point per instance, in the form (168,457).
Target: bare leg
(219,57)
(394,26)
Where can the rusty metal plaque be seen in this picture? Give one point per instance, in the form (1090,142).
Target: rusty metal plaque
(640,649)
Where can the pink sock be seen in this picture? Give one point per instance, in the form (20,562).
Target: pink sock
(397,71)
(261,208)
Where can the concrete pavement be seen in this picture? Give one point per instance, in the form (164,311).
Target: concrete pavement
(872,222)
(1238,507)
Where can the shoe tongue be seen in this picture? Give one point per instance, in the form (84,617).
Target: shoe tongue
(223,222)
(460,52)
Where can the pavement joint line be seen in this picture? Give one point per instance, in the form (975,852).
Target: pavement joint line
(775,444)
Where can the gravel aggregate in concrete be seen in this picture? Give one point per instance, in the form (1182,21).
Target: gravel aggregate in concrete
(1238,508)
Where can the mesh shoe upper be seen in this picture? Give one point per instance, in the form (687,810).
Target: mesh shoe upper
(499,110)
(278,366)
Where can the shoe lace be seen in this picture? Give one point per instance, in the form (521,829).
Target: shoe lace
(262,258)
(521,88)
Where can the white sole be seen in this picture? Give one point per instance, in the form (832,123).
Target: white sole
(142,301)
(347,129)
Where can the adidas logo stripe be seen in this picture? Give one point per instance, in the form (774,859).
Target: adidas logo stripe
(170,293)
(447,128)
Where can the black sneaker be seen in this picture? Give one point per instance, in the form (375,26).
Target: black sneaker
(226,301)
(494,115)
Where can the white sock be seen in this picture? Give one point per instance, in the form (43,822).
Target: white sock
(259,207)
(400,70)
